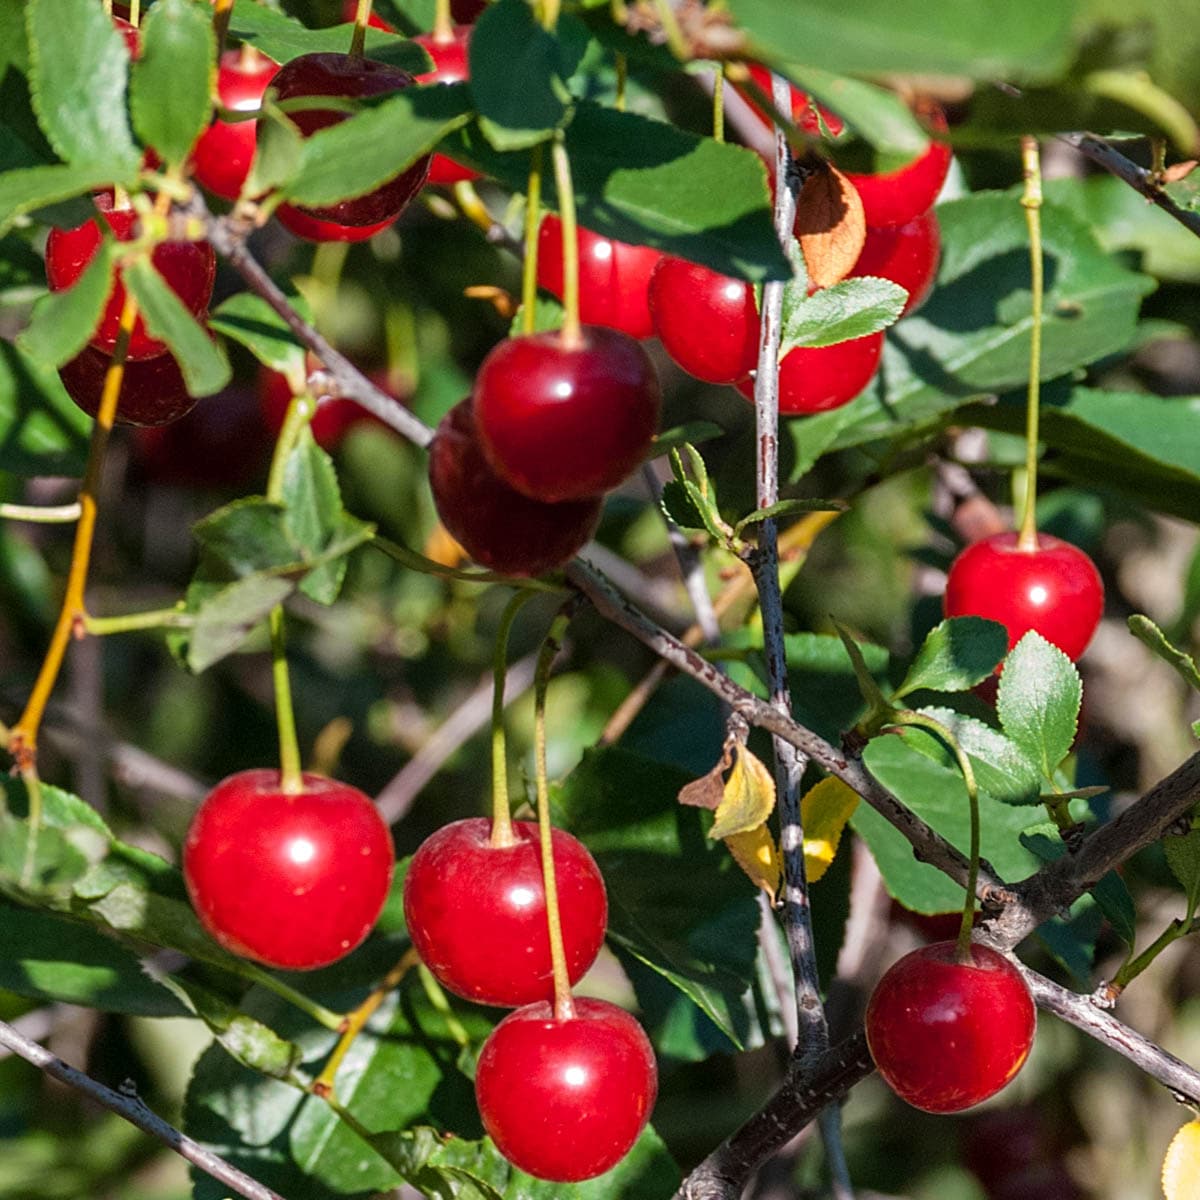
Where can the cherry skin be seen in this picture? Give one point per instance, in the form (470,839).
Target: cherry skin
(614,277)
(449,66)
(814,379)
(292,880)
(945,1034)
(905,254)
(347,77)
(152,390)
(805,109)
(896,197)
(224,151)
(564,422)
(707,322)
(476,913)
(335,415)
(312,229)
(1055,589)
(496,526)
(565,1100)
(190,268)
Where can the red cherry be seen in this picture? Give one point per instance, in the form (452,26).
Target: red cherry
(562,422)
(497,526)
(223,153)
(814,379)
(896,197)
(449,66)
(905,254)
(707,322)
(347,77)
(132,36)
(190,268)
(1055,589)
(335,415)
(565,1100)
(304,225)
(476,913)
(947,1034)
(292,880)
(152,390)
(614,277)
(805,109)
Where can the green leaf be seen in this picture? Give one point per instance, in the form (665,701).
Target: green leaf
(679,506)
(63,322)
(853,308)
(547,316)
(1183,857)
(248,535)
(42,868)
(226,617)
(30,188)
(203,363)
(78,74)
(646,1171)
(277,149)
(42,430)
(250,320)
(1038,701)
(678,436)
(1156,641)
(957,654)
(171,84)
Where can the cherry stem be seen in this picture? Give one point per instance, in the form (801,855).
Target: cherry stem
(426,566)
(362,17)
(159,618)
(672,31)
(135,12)
(57,514)
(718,103)
(533,214)
(622,67)
(318,1012)
(550,10)
(1031,201)
(502,834)
(572,334)
(222,11)
(564,1005)
(1133,967)
(443,22)
(437,999)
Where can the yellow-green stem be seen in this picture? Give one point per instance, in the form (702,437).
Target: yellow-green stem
(159,618)
(1031,201)
(676,42)
(550,10)
(533,214)
(502,834)
(572,333)
(719,104)
(622,65)
(56,514)
(443,22)
(426,566)
(1133,967)
(135,12)
(437,998)
(298,1000)
(362,15)
(328,260)
(222,11)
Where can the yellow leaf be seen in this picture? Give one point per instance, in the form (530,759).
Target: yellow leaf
(749,797)
(824,813)
(1181,1167)
(757,853)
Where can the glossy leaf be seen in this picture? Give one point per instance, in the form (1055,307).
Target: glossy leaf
(30,188)
(850,309)
(225,617)
(1001,767)
(63,322)
(957,654)
(250,320)
(1038,701)
(42,431)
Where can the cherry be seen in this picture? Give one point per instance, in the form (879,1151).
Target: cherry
(476,913)
(223,153)
(564,422)
(335,415)
(293,880)
(449,56)
(132,36)
(312,229)
(896,197)
(1055,589)
(152,390)
(566,1099)
(807,115)
(905,254)
(614,277)
(947,1034)
(814,379)
(707,322)
(190,268)
(495,525)
(349,77)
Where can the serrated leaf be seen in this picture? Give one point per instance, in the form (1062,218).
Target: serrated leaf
(1149,634)
(853,308)
(1181,1164)
(39,868)
(171,83)
(1000,765)
(830,226)
(824,814)
(678,436)
(225,618)
(788,508)
(1183,857)
(250,320)
(31,188)
(748,799)
(1038,702)
(248,535)
(679,506)
(957,654)
(277,149)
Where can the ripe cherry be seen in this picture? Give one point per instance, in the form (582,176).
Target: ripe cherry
(905,254)
(449,56)
(152,390)
(312,229)
(349,77)
(224,151)
(1055,589)
(807,115)
(614,277)
(335,415)
(293,880)
(814,379)
(566,1099)
(494,524)
(476,913)
(133,38)
(947,1034)
(190,268)
(896,197)
(564,422)
(707,322)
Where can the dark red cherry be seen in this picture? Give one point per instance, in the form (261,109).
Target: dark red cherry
(565,1100)
(946,1034)
(565,422)
(449,66)
(814,379)
(905,254)
(707,322)
(476,913)
(224,151)
(495,525)
(152,389)
(293,880)
(807,114)
(614,277)
(348,77)
(896,197)
(335,415)
(312,229)
(1055,589)
(190,268)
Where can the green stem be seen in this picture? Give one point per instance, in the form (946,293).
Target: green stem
(1135,966)
(57,514)
(719,104)
(572,333)
(441,1005)
(676,42)
(318,1012)
(426,566)
(533,214)
(1031,201)
(362,16)
(622,65)
(329,258)
(135,12)
(502,834)
(158,618)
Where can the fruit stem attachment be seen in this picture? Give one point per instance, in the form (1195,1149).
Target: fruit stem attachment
(572,335)
(502,833)
(443,23)
(533,213)
(621,63)
(718,104)
(318,1012)
(362,17)
(564,1005)
(1031,201)
(222,11)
